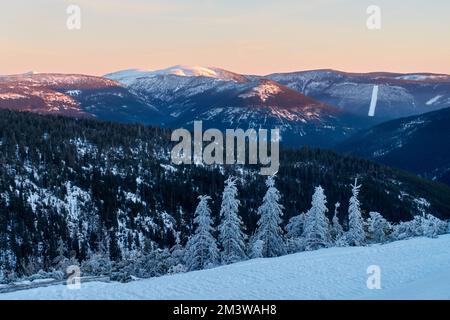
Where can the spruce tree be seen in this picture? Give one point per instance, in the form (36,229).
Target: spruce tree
(201,249)
(256,248)
(268,226)
(294,234)
(294,229)
(356,234)
(378,227)
(317,226)
(231,237)
(336,228)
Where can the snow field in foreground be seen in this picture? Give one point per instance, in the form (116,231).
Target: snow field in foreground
(418,268)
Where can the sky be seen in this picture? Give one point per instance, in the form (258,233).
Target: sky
(244,36)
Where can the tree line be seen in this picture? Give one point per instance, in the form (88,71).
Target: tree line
(307,231)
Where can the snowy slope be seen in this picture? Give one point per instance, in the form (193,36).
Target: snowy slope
(223,99)
(73,95)
(399,95)
(411,269)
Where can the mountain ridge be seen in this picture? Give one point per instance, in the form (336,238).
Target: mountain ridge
(318,108)
(418,144)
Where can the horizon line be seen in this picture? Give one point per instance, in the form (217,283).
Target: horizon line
(32,72)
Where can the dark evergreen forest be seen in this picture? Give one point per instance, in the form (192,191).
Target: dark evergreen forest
(72,187)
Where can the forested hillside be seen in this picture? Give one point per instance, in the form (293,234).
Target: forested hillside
(418,144)
(70,189)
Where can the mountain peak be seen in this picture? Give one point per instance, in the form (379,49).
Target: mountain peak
(30,73)
(129,75)
(190,71)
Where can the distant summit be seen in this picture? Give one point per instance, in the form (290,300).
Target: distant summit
(129,75)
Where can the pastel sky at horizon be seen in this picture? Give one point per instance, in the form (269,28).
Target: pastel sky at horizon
(245,36)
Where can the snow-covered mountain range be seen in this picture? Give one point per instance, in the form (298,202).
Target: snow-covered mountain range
(72,95)
(320,108)
(399,95)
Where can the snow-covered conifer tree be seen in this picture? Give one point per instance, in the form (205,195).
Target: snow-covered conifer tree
(432,226)
(294,229)
(408,229)
(356,234)
(269,230)
(231,237)
(176,259)
(378,227)
(256,248)
(336,228)
(294,234)
(98,264)
(317,225)
(201,249)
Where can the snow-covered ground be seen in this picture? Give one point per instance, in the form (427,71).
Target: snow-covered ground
(411,269)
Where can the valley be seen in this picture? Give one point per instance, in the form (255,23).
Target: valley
(419,144)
